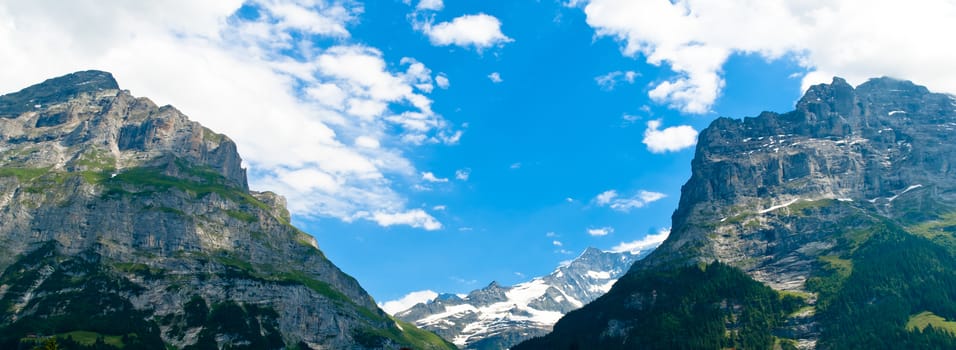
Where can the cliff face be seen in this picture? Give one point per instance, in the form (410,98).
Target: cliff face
(811,203)
(105,194)
(875,147)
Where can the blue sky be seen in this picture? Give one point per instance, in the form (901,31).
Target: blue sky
(440,145)
(546,133)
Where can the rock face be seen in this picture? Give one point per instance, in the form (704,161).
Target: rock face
(804,202)
(111,203)
(498,317)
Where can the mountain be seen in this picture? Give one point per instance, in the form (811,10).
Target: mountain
(498,317)
(124,223)
(830,226)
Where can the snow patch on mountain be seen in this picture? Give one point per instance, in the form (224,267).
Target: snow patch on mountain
(500,316)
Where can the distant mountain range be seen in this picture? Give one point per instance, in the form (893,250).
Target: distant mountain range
(498,317)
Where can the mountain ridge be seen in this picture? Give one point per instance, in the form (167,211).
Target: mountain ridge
(498,317)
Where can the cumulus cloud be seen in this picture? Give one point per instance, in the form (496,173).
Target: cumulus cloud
(478,31)
(462,174)
(671,139)
(610,80)
(600,231)
(650,241)
(442,81)
(556,243)
(431,5)
(495,77)
(610,198)
(855,39)
(550,234)
(430,177)
(415,218)
(319,125)
(393,307)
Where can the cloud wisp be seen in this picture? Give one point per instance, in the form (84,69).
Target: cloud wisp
(613,200)
(610,80)
(650,241)
(411,299)
(600,231)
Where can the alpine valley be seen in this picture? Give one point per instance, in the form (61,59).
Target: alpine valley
(125,225)
(499,317)
(831,227)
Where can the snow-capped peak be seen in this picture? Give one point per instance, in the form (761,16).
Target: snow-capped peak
(499,316)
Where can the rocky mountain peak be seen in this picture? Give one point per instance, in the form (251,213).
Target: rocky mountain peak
(55,90)
(590,253)
(840,142)
(82,121)
(836,97)
(497,316)
(887,86)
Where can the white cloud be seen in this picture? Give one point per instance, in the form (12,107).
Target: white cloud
(462,174)
(557,243)
(600,231)
(515,165)
(430,177)
(431,5)
(610,198)
(415,218)
(411,299)
(367,142)
(671,139)
(439,208)
(550,234)
(480,31)
(648,242)
(316,126)
(610,80)
(442,81)
(495,77)
(855,39)
(605,197)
